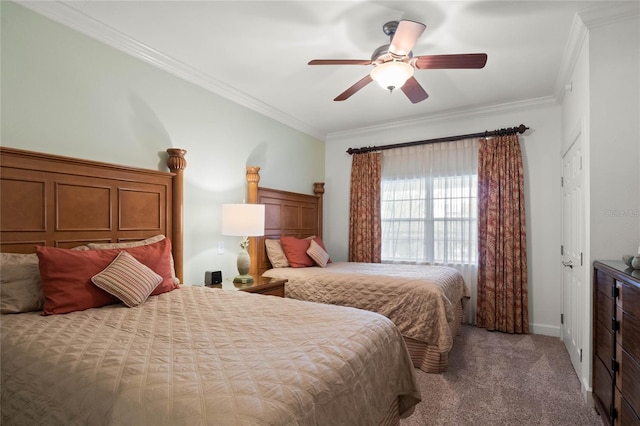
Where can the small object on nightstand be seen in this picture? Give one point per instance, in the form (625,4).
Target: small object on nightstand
(212,277)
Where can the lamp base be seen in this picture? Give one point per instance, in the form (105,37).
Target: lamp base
(243,279)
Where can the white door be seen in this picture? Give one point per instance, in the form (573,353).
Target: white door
(574,286)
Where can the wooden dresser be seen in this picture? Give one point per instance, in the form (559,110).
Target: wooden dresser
(616,342)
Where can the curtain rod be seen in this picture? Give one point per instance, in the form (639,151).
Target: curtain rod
(499,132)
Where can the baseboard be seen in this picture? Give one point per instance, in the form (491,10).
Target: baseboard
(587,393)
(545,330)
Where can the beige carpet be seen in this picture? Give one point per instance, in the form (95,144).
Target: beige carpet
(502,379)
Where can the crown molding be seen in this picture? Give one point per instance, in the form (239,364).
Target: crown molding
(60,12)
(457,114)
(72,18)
(614,12)
(577,36)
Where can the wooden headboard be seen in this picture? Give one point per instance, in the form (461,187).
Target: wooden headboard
(58,201)
(286,213)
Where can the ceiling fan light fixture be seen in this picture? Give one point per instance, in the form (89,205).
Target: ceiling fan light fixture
(392,75)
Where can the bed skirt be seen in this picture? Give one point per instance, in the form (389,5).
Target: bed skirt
(428,358)
(392,417)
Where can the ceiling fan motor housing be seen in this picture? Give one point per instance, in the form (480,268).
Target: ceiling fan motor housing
(390,28)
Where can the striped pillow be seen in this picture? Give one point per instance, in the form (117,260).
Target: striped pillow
(318,254)
(127,279)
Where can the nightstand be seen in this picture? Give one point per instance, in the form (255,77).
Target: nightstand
(260,285)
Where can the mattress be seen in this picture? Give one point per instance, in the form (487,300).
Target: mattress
(205,356)
(421,300)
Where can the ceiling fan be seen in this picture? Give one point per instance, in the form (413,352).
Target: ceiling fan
(394,63)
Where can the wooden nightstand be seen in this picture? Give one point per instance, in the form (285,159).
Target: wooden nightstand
(260,285)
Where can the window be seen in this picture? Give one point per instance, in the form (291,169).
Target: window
(429,207)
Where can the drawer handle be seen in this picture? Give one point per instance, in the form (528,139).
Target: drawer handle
(615,365)
(613,411)
(615,325)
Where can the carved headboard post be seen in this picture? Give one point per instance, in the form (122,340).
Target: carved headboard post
(318,190)
(177,163)
(253,178)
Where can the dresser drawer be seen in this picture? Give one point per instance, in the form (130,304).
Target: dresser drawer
(626,415)
(627,380)
(604,343)
(604,282)
(602,388)
(628,296)
(628,334)
(605,309)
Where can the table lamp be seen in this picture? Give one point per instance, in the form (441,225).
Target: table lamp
(243,220)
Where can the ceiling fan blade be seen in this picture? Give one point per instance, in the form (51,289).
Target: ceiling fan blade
(405,37)
(414,91)
(340,62)
(353,89)
(465,60)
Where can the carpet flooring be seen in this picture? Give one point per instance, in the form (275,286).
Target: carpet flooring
(502,379)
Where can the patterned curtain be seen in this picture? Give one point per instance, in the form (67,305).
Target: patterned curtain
(502,272)
(364,217)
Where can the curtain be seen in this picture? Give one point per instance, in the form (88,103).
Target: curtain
(364,217)
(502,275)
(429,208)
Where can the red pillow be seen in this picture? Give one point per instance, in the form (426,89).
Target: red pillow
(296,251)
(66,275)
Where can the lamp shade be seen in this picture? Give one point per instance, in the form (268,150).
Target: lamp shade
(243,220)
(392,75)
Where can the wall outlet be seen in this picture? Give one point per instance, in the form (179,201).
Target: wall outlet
(220,247)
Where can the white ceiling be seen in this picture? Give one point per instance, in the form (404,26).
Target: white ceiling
(256,53)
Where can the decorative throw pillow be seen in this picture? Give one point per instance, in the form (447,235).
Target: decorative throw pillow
(127,279)
(319,241)
(66,279)
(296,251)
(17,258)
(66,275)
(155,255)
(275,253)
(318,254)
(20,284)
(130,244)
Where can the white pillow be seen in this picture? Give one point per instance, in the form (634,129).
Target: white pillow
(275,253)
(20,286)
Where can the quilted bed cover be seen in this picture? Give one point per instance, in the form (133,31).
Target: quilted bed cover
(198,356)
(419,299)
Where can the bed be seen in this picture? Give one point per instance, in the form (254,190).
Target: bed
(184,355)
(426,303)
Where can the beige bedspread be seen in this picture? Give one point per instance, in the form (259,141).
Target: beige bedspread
(419,299)
(202,356)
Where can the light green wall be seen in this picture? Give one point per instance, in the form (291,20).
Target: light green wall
(614,85)
(68,94)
